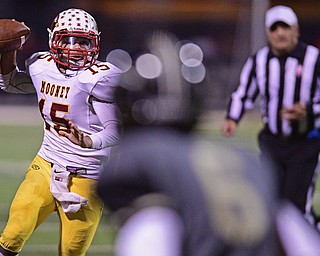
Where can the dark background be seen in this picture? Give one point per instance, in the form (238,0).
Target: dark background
(223,29)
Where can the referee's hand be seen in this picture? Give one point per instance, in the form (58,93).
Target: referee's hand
(229,128)
(294,113)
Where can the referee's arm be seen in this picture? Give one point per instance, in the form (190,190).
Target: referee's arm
(313,108)
(241,99)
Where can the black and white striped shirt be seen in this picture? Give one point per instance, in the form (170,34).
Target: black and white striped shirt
(280,82)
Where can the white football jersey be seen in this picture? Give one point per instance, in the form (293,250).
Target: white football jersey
(87,99)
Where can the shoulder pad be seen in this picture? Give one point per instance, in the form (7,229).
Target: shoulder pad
(38,62)
(97,71)
(100,80)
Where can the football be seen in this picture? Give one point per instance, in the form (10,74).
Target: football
(13,35)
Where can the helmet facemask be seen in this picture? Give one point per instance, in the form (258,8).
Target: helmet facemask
(74,39)
(74,50)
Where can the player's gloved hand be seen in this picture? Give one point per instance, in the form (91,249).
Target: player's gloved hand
(77,136)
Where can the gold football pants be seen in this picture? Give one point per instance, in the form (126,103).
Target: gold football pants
(33,203)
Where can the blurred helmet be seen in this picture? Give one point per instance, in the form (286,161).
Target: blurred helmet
(163,99)
(74,39)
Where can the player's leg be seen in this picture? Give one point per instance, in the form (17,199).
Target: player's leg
(31,205)
(78,229)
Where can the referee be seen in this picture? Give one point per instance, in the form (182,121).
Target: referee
(285,74)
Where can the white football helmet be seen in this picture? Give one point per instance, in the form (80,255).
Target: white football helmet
(74,39)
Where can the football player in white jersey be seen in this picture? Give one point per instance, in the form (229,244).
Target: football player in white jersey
(76,100)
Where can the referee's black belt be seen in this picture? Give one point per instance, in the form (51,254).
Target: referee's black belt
(281,137)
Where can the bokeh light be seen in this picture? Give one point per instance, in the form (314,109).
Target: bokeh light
(191,55)
(194,74)
(148,66)
(120,58)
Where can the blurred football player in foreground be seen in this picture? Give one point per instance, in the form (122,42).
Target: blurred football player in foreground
(176,192)
(76,100)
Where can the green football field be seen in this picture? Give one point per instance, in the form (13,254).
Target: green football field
(19,144)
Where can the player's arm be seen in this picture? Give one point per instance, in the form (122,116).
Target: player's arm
(109,116)
(8,62)
(103,103)
(13,36)
(11,79)
(76,136)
